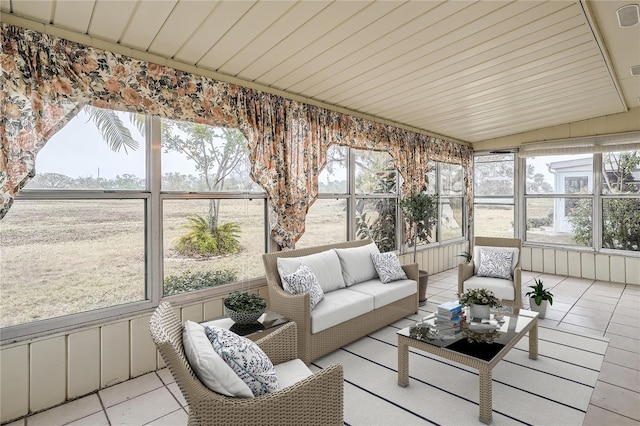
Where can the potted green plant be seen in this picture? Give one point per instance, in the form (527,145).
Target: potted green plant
(244,308)
(539,297)
(467,256)
(421,211)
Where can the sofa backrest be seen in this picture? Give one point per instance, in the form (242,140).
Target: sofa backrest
(270,260)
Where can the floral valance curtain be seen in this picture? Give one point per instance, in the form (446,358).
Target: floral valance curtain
(46,80)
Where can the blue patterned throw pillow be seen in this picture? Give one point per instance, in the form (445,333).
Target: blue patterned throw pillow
(246,358)
(495,264)
(303,281)
(388,267)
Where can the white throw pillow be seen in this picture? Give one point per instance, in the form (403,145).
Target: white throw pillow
(357,266)
(477,257)
(325,266)
(303,281)
(388,267)
(246,358)
(495,263)
(212,370)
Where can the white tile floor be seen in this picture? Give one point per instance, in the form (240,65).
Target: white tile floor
(589,306)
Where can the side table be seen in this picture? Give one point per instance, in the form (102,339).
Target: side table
(267,323)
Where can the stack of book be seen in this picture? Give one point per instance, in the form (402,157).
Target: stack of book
(450,317)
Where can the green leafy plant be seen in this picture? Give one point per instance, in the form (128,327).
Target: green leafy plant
(466,255)
(479,296)
(421,210)
(189,281)
(202,241)
(539,293)
(245,302)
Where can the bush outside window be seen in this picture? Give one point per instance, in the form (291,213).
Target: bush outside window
(494,196)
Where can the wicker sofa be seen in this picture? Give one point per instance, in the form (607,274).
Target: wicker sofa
(400,299)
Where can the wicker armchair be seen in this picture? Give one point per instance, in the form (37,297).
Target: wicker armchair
(467,278)
(316,400)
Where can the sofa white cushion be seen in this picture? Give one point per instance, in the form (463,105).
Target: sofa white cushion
(477,258)
(212,370)
(303,281)
(325,266)
(291,372)
(388,267)
(356,263)
(503,289)
(495,263)
(246,358)
(339,306)
(383,294)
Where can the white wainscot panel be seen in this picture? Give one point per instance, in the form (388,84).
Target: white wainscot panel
(549,260)
(47,384)
(83,362)
(618,268)
(602,267)
(114,352)
(14,382)
(588,265)
(562,265)
(143,350)
(575,262)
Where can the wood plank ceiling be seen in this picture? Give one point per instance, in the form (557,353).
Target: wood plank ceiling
(463,69)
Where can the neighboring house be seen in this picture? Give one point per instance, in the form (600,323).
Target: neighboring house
(570,177)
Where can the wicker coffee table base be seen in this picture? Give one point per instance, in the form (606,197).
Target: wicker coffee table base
(484,367)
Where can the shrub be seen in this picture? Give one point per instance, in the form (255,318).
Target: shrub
(202,241)
(189,281)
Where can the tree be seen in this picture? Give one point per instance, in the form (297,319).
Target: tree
(113,130)
(216,153)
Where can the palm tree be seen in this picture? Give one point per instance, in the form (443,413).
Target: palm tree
(113,131)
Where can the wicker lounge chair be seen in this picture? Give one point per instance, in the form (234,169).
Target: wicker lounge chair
(466,271)
(316,400)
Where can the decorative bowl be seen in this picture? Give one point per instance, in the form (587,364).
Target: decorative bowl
(243,317)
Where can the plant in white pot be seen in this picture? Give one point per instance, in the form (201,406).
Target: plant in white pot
(539,297)
(244,308)
(421,211)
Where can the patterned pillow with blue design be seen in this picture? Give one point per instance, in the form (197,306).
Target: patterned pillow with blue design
(388,267)
(245,358)
(301,281)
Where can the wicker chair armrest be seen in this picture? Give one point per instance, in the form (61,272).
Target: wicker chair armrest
(317,399)
(281,345)
(465,271)
(411,270)
(517,287)
(295,307)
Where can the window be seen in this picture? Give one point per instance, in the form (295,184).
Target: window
(68,245)
(493,189)
(109,225)
(327,219)
(558,199)
(451,201)
(213,213)
(620,201)
(376,202)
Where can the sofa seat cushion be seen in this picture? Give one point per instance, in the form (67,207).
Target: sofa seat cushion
(324,265)
(339,306)
(502,288)
(357,266)
(384,294)
(291,372)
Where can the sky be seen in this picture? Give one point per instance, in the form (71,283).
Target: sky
(78,150)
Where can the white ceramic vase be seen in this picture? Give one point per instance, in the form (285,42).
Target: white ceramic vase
(479,312)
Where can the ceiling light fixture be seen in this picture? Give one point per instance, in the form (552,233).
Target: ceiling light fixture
(628,15)
(635,70)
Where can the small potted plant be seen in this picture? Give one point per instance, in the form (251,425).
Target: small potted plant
(467,256)
(538,298)
(480,302)
(421,210)
(244,308)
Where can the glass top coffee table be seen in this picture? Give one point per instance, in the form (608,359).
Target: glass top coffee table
(476,353)
(267,323)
